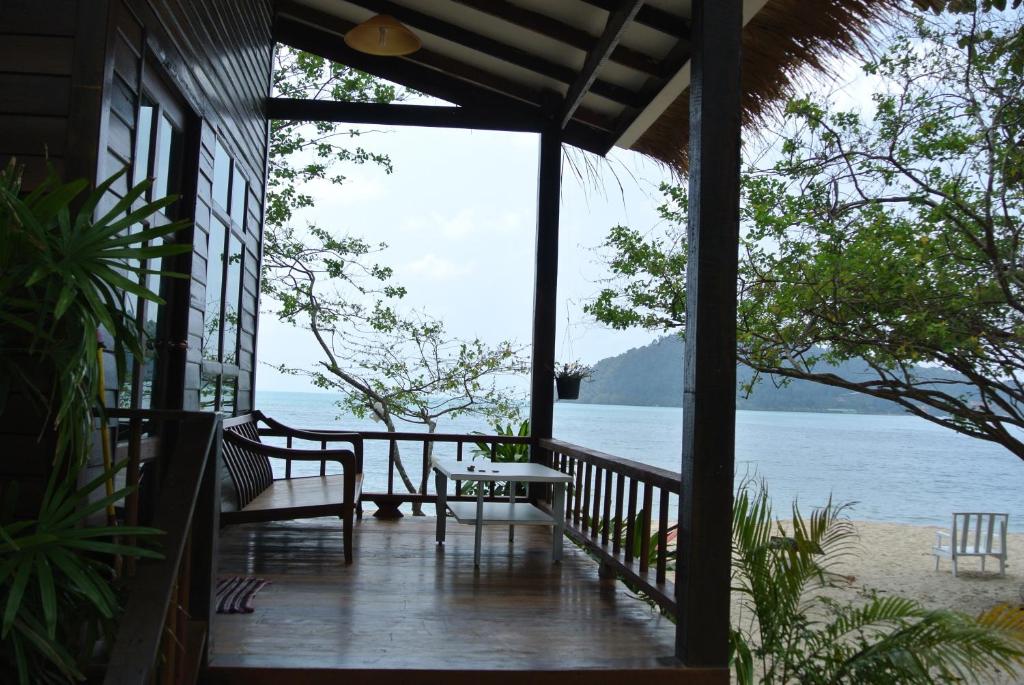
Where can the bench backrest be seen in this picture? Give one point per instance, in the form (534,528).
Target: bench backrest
(979,533)
(250,472)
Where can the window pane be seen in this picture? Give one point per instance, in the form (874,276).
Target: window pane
(143,136)
(232,294)
(214,291)
(221,176)
(152,328)
(228,393)
(162,170)
(238,198)
(208,393)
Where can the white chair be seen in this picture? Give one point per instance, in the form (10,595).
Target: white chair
(973,535)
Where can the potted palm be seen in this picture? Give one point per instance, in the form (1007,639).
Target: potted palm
(568,377)
(65,269)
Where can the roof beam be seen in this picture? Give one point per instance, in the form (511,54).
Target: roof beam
(433,116)
(677,57)
(550,27)
(495,48)
(653,17)
(546,100)
(598,55)
(426,80)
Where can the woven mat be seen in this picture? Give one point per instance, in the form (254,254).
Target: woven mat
(235,594)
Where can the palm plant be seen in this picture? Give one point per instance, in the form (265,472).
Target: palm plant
(502,452)
(64,275)
(788,633)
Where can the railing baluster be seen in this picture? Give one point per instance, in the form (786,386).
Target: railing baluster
(662,535)
(620,482)
(606,523)
(570,471)
(631,520)
(595,516)
(323,462)
(494,457)
(458,457)
(425,472)
(392,446)
(645,528)
(587,476)
(288,462)
(578,495)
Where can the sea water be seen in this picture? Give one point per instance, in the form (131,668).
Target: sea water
(893,467)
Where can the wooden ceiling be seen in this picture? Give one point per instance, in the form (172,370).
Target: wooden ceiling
(601,70)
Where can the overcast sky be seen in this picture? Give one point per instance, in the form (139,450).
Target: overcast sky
(458,214)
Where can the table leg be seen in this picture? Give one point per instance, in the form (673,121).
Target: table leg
(512,502)
(479,523)
(441,486)
(558,513)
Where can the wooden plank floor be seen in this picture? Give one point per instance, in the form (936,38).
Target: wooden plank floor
(407,603)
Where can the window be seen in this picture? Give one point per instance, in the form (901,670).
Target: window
(157,154)
(224,269)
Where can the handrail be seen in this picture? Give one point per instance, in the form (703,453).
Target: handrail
(186,510)
(610,510)
(391,499)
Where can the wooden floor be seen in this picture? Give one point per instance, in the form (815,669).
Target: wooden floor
(408,603)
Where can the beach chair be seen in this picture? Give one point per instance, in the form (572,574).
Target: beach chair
(258,496)
(973,535)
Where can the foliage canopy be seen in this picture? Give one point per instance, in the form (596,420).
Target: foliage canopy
(892,236)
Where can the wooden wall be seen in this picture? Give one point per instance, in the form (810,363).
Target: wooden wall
(69,77)
(218,55)
(50,73)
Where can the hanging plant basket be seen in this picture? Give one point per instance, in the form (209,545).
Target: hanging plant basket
(568,388)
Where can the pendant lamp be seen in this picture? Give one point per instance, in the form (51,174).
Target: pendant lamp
(382,35)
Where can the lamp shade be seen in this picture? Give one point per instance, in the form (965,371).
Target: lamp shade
(382,35)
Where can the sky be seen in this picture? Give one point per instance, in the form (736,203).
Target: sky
(458,215)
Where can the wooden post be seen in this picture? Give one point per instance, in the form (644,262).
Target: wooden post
(205,537)
(542,394)
(709,389)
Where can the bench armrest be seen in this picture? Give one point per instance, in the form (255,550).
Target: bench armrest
(347,458)
(355,439)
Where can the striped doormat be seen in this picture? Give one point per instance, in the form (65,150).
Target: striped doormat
(235,594)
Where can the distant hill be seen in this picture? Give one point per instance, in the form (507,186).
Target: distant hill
(653,376)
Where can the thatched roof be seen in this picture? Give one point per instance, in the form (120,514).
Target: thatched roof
(786,39)
(609,76)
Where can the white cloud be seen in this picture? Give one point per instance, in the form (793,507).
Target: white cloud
(434,268)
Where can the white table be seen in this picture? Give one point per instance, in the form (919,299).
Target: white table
(511,513)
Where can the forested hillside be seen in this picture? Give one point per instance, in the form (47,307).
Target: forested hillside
(653,376)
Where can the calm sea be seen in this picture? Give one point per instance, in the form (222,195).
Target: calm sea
(896,468)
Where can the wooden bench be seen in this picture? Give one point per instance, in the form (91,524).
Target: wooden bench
(262,498)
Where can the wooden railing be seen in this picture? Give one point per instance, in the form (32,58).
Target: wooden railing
(395,492)
(623,512)
(163,635)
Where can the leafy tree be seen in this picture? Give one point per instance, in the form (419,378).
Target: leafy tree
(388,366)
(893,237)
(301,152)
(787,632)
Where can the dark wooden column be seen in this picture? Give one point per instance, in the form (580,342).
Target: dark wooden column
(709,386)
(545,286)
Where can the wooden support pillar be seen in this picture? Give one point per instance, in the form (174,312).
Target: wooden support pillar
(542,394)
(709,386)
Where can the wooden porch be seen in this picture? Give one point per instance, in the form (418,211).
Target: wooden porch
(420,609)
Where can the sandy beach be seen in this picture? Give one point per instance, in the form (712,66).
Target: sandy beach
(896,559)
